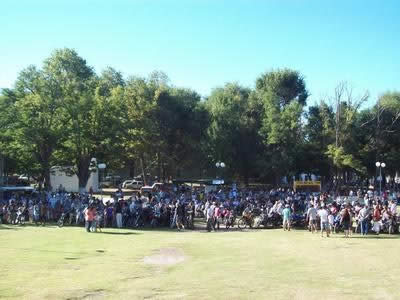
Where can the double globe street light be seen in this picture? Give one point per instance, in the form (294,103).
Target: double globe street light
(380,165)
(221,165)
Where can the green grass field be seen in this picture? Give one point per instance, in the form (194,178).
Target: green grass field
(68,263)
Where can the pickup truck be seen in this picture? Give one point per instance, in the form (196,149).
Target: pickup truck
(151,188)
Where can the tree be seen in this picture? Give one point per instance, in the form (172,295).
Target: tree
(380,129)
(167,124)
(286,85)
(33,128)
(233,132)
(90,111)
(319,132)
(344,152)
(283,95)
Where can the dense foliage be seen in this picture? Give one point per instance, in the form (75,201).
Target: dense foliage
(65,114)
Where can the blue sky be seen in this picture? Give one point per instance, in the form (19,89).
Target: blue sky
(202,44)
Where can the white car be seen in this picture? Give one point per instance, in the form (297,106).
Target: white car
(23,177)
(151,188)
(132,184)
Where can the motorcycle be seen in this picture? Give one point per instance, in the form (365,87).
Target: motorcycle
(61,220)
(229,220)
(261,219)
(246,221)
(389,225)
(274,220)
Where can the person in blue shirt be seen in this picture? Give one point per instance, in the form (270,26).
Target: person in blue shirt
(286,214)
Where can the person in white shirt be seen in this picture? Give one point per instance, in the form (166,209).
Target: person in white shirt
(210,217)
(323,214)
(393,207)
(331,219)
(312,218)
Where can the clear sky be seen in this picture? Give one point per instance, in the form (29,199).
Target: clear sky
(202,44)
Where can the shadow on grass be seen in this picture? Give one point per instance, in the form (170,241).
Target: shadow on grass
(30,224)
(377,237)
(11,227)
(118,233)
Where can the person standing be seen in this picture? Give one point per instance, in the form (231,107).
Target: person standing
(210,217)
(312,218)
(217,216)
(323,214)
(89,217)
(376,217)
(286,214)
(179,214)
(393,207)
(43,212)
(36,213)
(345,220)
(93,227)
(118,214)
(363,218)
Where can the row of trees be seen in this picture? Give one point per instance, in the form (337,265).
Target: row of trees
(65,114)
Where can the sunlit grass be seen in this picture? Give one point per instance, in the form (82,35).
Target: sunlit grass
(54,263)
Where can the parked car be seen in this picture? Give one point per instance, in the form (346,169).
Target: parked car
(129,181)
(111,181)
(132,184)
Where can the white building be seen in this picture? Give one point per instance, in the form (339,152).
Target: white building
(58,176)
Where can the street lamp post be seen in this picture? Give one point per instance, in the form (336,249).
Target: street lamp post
(221,165)
(380,165)
(101,167)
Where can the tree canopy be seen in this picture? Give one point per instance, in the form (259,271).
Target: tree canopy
(64,113)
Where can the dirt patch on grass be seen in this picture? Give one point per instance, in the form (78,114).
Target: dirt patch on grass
(165,256)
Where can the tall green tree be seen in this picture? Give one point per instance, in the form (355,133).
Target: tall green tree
(166,124)
(319,132)
(33,128)
(344,153)
(283,95)
(233,132)
(90,112)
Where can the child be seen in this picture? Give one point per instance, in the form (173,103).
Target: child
(331,219)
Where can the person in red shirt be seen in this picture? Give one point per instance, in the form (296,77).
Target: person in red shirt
(376,217)
(217,216)
(90,214)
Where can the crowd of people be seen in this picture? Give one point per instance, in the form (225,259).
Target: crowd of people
(365,213)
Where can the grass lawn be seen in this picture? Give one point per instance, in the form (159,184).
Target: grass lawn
(68,263)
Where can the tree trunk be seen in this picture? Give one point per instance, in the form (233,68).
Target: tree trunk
(83,173)
(47,183)
(142,165)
